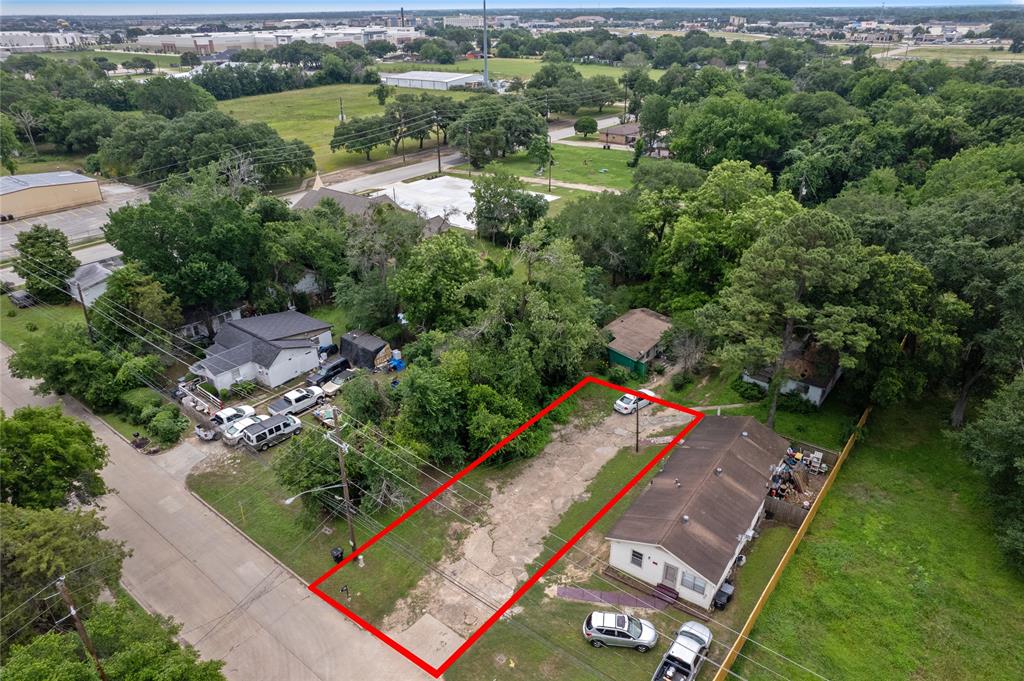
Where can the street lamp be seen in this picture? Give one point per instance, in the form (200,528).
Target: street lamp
(289,500)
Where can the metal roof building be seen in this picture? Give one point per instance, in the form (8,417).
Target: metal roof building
(37,193)
(433,80)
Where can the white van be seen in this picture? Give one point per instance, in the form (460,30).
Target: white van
(260,436)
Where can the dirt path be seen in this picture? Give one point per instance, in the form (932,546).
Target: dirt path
(569,185)
(491,561)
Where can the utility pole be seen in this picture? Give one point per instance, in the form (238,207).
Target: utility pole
(342,451)
(79,627)
(487,77)
(341,108)
(85,312)
(551,160)
(401,131)
(437,128)
(636,448)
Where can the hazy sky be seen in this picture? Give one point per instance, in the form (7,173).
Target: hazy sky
(296,8)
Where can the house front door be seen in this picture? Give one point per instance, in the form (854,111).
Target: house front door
(670,576)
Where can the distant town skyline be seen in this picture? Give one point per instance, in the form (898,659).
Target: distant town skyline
(223,7)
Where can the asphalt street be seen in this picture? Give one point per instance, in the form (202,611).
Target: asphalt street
(233,601)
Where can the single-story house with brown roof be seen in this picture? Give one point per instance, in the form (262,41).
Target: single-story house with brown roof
(623,133)
(685,530)
(636,338)
(811,371)
(353,204)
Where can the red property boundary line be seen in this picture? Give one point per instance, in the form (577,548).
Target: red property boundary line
(436,672)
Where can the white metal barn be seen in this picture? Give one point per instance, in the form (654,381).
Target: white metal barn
(432,80)
(686,528)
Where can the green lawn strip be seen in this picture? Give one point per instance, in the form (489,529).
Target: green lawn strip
(581,165)
(828,427)
(247,493)
(47,161)
(709,389)
(332,314)
(311,114)
(499,67)
(900,576)
(15,330)
(161,60)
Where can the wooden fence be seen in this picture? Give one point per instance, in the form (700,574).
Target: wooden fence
(784,512)
(726,666)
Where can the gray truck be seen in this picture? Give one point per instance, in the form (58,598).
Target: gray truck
(685,656)
(297,401)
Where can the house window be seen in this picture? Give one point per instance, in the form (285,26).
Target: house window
(693,583)
(637,558)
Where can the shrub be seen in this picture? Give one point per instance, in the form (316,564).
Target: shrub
(681,380)
(12,313)
(392,333)
(243,388)
(748,391)
(136,402)
(224,394)
(302,302)
(147,415)
(618,374)
(167,425)
(795,404)
(31,326)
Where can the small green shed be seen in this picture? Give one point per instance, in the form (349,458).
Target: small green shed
(636,339)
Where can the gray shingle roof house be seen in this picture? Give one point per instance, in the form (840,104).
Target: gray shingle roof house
(353,204)
(636,338)
(687,527)
(92,278)
(270,349)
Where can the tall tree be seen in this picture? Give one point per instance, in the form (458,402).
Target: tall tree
(505,211)
(792,286)
(135,304)
(38,547)
(9,145)
(47,458)
(429,283)
(172,97)
(130,643)
(46,263)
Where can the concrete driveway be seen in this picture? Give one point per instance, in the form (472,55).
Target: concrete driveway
(84,222)
(233,601)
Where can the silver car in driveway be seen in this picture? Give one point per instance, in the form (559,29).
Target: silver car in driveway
(685,656)
(615,629)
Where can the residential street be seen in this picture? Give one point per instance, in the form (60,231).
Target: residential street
(233,601)
(94,253)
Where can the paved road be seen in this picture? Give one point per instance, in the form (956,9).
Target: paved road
(233,601)
(561,133)
(386,177)
(86,255)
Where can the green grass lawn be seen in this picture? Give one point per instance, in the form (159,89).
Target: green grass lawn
(508,68)
(248,494)
(161,60)
(16,330)
(709,389)
(332,314)
(581,165)
(960,54)
(311,115)
(46,161)
(900,576)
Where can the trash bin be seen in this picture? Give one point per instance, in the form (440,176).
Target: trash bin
(338,555)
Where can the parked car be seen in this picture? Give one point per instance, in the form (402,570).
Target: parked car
(297,401)
(265,434)
(332,386)
(225,417)
(327,372)
(233,433)
(21,298)
(627,404)
(328,350)
(615,629)
(685,656)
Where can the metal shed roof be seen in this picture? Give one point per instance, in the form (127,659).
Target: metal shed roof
(441,76)
(16,183)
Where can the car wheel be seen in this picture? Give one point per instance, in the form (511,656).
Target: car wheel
(298,430)
(596,643)
(263,448)
(642,649)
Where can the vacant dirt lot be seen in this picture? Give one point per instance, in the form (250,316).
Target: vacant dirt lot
(491,560)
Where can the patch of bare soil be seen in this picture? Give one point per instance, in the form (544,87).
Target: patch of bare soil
(492,558)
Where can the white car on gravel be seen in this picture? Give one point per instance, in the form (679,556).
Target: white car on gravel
(233,433)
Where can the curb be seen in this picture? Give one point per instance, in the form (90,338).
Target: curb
(248,538)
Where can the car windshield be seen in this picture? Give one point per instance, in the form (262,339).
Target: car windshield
(635,628)
(692,636)
(626,399)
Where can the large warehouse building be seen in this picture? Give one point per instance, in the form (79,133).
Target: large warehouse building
(433,80)
(212,43)
(23,196)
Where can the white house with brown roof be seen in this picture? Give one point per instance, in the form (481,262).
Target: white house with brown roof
(685,530)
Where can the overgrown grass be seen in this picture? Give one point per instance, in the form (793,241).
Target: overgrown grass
(15,330)
(900,576)
(161,60)
(311,115)
(583,165)
(332,314)
(46,161)
(711,388)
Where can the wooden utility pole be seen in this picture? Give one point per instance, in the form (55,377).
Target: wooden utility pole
(79,627)
(85,312)
(342,451)
(551,160)
(341,107)
(437,127)
(637,445)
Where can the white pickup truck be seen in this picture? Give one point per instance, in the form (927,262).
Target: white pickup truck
(297,401)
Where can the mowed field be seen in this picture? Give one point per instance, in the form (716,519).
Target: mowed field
(162,60)
(953,55)
(900,576)
(508,68)
(311,115)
